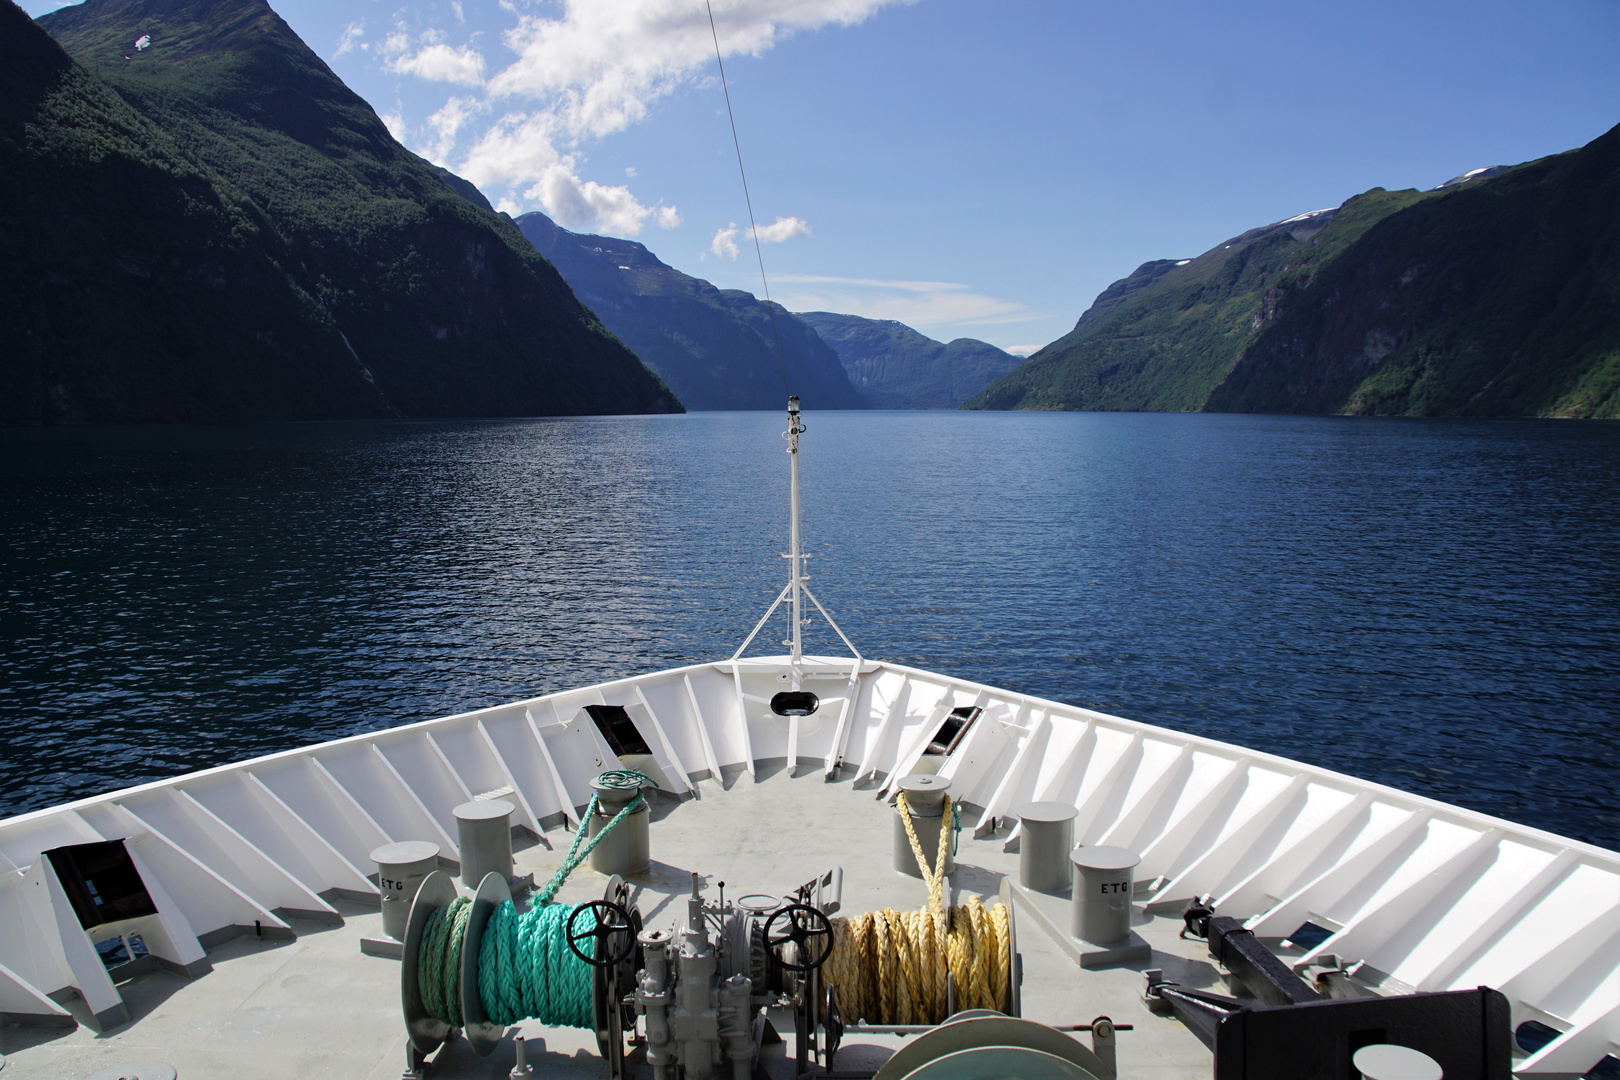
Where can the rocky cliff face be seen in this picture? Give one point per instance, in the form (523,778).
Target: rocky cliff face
(216,228)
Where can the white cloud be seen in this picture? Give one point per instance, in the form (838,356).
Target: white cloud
(446,123)
(630,171)
(782,229)
(352,38)
(668,217)
(594,68)
(915,303)
(1022,350)
(428,57)
(724,243)
(395,123)
(461,14)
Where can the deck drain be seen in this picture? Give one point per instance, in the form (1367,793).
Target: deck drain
(136,1070)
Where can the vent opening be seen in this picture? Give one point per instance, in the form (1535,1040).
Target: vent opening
(950,732)
(1307,937)
(795,703)
(618,730)
(101,882)
(1532,1035)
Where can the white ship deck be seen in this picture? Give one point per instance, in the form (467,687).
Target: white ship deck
(1425,896)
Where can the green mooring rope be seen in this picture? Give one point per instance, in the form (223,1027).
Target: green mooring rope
(526,971)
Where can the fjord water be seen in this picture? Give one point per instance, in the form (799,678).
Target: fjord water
(1433,605)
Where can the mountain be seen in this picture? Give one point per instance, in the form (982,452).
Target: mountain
(1498,298)
(216,228)
(1493,294)
(714,347)
(895,367)
(1164,338)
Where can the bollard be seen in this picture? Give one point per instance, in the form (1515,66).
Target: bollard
(925,796)
(1043,849)
(1386,1061)
(1101,908)
(627,849)
(401,869)
(484,830)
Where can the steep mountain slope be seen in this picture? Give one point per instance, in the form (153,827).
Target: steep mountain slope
(136,283)
(895,367)
(380,290)
(713,347)
(1499,298)
(1164,338)
(1495,294)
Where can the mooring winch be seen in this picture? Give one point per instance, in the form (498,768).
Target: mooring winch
(695,1001)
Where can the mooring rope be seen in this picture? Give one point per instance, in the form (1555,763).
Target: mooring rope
(889,967)
(526,971)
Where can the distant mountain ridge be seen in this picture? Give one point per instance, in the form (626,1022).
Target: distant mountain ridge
(1492,294)
(716,348)
(893,366)
(218,229)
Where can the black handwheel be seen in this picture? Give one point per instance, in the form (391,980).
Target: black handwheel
(804,925)
(610,925)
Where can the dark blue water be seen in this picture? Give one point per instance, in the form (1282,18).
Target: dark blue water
(1430,604)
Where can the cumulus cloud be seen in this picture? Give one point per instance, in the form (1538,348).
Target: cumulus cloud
(724,243)
(1022,350)
(915,303)
(592,69)
(584,70)
(352,38)
(427,56)
(447,123)
(395,123)
(783,228)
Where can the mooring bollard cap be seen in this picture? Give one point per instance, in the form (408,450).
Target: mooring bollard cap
(1104,858)
(484,810)
(1046,812)
(924,790)
(403,852)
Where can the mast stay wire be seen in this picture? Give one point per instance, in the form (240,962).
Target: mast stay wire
(753,229)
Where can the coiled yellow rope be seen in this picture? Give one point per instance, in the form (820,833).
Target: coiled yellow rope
(889,967)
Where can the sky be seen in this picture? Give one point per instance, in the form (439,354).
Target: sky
(974,169)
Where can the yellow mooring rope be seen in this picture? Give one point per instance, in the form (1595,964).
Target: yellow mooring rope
(888,967)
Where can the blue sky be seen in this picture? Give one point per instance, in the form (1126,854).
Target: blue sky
(974,169)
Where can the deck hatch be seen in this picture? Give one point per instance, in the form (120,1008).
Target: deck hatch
(622,736)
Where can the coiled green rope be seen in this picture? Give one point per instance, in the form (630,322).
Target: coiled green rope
(526,971)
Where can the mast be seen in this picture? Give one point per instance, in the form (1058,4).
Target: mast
(795,551)
(796,591)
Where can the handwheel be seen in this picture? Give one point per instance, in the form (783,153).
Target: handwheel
(610,924)
(804,924)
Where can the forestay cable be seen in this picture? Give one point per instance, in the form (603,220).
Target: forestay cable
(752,228)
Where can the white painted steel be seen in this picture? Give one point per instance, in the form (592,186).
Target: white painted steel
(1426,895)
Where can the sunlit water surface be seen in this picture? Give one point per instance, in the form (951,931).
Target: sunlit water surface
(1433,605)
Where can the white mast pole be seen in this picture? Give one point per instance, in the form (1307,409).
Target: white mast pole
(795,554)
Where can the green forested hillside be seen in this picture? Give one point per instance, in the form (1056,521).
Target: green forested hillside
(1498,298)
(1495,296)
(216,228)
(136,283)
(892,366)
(1164,338)
(716,348)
